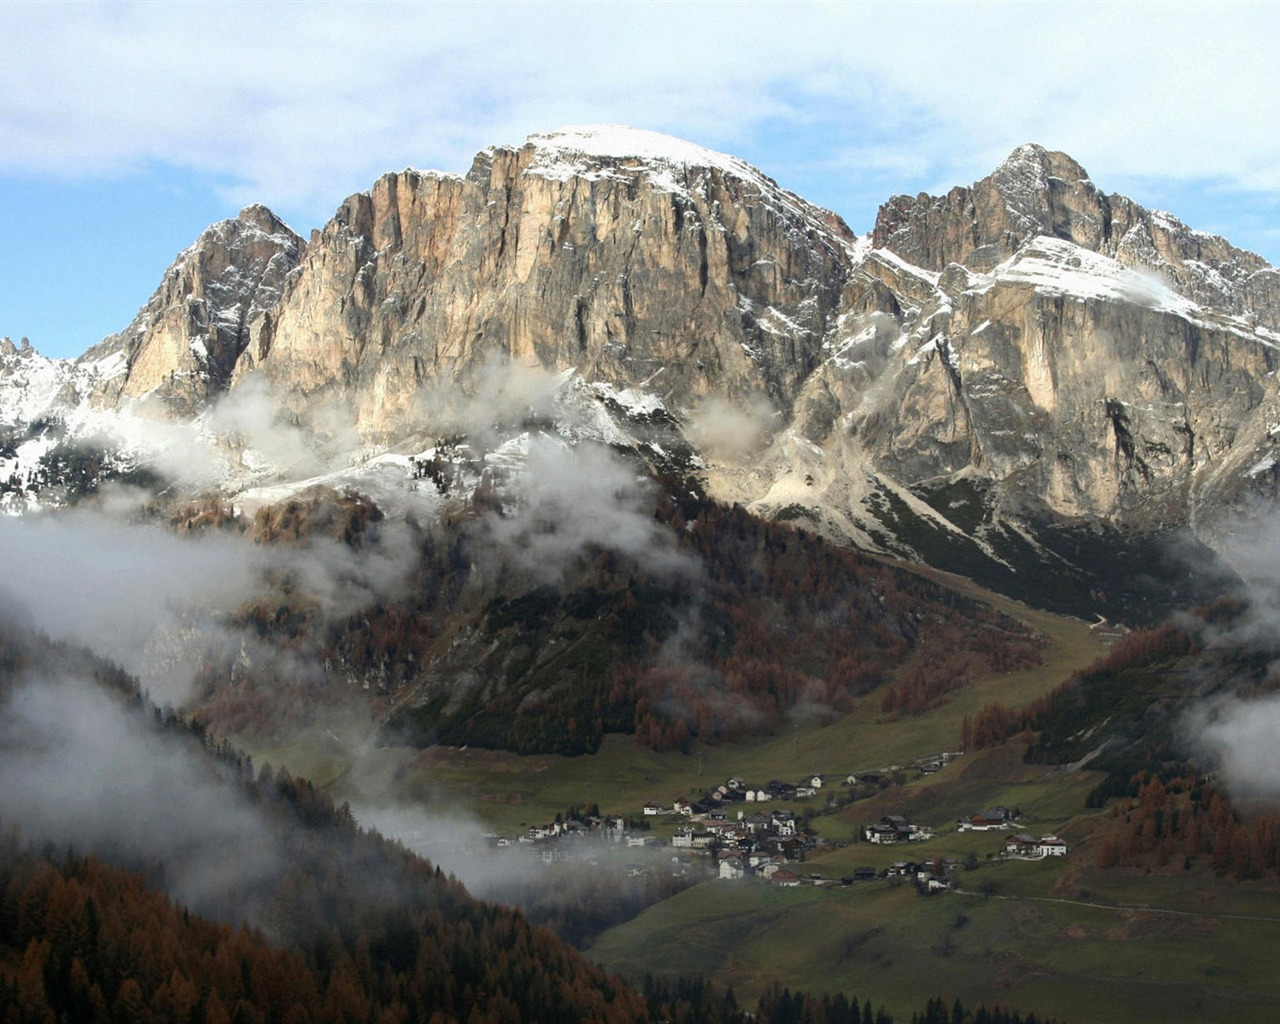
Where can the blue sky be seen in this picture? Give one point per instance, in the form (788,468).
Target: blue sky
(126,128)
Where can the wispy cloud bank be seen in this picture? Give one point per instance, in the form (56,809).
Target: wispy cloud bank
(154,602)
(77,769)
(730,430)
(119,589)
(1240,738)
(566,500)
(294,104)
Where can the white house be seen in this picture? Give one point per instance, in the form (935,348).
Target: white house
(1051,846)
(652,808)
(1021,845)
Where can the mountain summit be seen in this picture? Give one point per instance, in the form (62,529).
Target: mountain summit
(1036,192)
(993,381)
(560,253)
(183,345)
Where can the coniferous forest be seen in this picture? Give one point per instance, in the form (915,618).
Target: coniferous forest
(346,927)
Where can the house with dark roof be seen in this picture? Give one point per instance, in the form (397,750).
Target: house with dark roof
(892,828)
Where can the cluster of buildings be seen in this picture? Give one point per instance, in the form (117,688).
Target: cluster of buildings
(738,837)
(759,844)
(746,840)
(558,837)
(736,790)
(894,828)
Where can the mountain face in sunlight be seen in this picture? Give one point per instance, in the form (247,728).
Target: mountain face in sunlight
(1023,378)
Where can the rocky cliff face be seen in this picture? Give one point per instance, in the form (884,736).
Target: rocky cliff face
(1064,376)
(1036,192)
(1105,359)
(183,345)
(992,371)
(630,257)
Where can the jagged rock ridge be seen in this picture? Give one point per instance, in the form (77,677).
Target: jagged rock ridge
(183,345)
(690,273)
(991,367)
(1037,192)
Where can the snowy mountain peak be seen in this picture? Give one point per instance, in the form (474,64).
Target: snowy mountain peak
(618,142)
(255,224)
(670,165)
(1035,162)
(593,152)
(263,219)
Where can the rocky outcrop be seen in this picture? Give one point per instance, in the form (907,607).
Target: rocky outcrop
(1016,358)
(1037,192)
(1086,355)
(183,345)
(628,256)
(1064,377)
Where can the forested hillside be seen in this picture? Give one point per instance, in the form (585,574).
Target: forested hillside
(343,926)
(734,625)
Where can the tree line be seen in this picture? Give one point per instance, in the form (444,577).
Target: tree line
(1183,821)
(773,618)
(348,928)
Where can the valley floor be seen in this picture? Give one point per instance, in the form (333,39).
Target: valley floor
(1056,936)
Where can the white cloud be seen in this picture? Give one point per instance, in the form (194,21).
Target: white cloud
(151,600)
(567,500)
(298,104)
(122,590)
(76,768)
(732,431)
(1241,738)
(250,418)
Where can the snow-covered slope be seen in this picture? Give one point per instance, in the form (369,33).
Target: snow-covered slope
(668,164)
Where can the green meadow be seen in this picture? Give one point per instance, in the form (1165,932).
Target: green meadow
(1055,936)
(885,942)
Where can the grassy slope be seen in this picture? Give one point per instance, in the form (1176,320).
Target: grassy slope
(1020,941)
(875,939)
(507,790)
(1022,932)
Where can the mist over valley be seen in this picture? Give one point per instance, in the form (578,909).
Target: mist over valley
(610,533)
